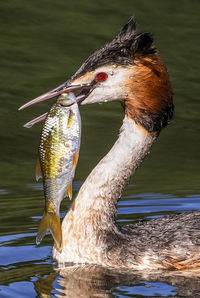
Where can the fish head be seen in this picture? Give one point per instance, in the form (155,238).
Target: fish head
(66,99)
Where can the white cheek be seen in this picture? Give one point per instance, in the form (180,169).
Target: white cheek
(112,89)
(105,93)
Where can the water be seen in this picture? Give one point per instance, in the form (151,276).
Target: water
(42,44)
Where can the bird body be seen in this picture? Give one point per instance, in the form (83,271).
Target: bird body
(129,70)
(90,234)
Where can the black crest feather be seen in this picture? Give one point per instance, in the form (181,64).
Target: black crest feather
(122,50)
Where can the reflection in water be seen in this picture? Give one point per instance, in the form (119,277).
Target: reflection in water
(96,281)
(44,285)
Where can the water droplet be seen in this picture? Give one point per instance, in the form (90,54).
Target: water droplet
(131,77)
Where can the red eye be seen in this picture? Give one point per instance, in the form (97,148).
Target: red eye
(101,76)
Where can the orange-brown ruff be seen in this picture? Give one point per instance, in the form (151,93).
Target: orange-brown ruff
(127,69)
(150,92)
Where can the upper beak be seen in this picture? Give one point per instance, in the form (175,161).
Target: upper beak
(57,91)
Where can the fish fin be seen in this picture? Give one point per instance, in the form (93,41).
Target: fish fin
(69,191)
(70,119)
(75,159)
(38,171)
(50,222)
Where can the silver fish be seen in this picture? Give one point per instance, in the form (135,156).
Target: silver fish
(58,157)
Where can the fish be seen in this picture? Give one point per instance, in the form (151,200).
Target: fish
(58,156)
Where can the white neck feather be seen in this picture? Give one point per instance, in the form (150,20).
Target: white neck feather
(95,207)
(112,173)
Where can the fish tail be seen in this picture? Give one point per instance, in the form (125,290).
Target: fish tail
(50,222)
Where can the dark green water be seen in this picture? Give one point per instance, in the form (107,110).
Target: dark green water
(42,44)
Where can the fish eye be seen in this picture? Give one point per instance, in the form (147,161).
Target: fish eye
(101,76)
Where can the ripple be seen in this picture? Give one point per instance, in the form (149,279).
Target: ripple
(19,254)
(4,192)
(146,289)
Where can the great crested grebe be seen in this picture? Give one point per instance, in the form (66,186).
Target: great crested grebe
(127,69)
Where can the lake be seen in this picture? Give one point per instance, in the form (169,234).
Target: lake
(42,44)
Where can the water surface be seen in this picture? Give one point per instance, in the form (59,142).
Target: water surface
(42,44)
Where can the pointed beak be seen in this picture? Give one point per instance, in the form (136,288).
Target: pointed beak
(59,90)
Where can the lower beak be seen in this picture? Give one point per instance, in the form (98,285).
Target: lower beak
(57,91)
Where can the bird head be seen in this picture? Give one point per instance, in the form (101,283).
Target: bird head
(127,69)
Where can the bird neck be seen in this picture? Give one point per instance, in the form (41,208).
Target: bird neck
(95,207)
